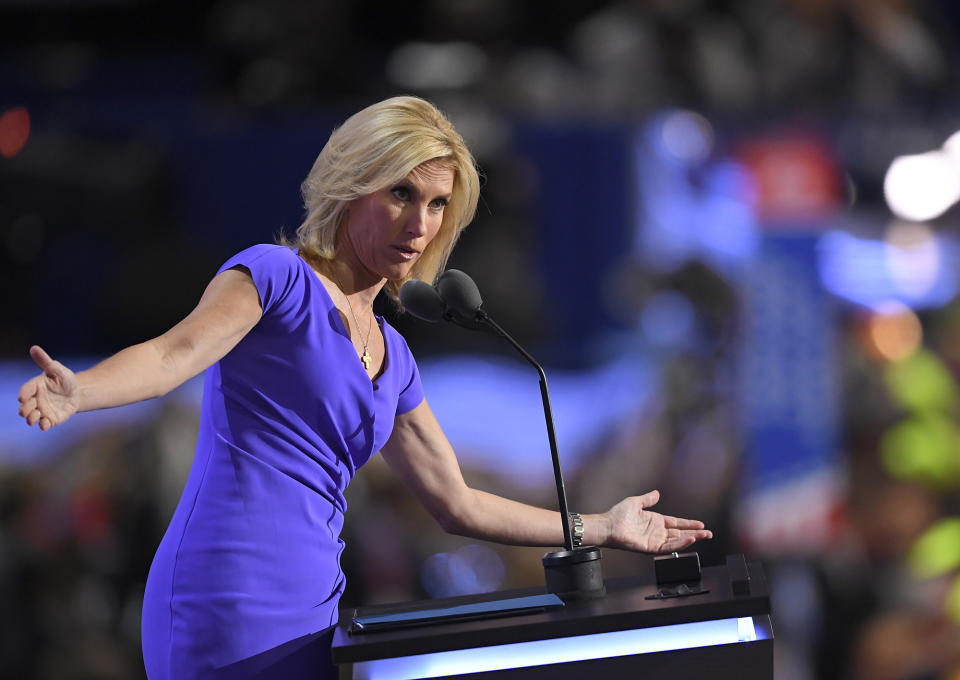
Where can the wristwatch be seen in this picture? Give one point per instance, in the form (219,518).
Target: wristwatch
(576,529)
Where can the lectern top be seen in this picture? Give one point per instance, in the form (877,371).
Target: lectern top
(624,608)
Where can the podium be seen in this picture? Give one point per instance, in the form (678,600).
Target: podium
(723,633)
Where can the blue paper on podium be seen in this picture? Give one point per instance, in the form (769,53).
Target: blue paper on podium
(363,622)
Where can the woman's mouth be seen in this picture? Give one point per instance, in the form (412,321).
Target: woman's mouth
(406,253)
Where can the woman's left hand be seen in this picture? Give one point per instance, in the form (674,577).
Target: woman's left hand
(631,526)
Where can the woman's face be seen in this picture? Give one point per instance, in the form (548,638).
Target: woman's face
(388,230)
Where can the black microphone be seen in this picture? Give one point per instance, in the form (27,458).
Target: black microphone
(572,573)
(459,292)
(422,300)
(426,302)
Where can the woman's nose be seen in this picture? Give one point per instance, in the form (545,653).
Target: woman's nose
(417,221)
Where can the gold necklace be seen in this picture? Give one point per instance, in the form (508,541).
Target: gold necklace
(365,357)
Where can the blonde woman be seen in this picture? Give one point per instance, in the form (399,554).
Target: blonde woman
(303,384)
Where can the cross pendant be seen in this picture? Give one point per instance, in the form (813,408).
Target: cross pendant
(366,359)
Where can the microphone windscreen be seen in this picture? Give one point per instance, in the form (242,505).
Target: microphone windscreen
(459,292)
(422,300)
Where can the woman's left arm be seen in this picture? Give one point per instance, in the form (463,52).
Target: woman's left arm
(420,454)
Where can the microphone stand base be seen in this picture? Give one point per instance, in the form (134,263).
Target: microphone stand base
(574,574)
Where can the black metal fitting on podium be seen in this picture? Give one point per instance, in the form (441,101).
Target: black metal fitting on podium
(574,574)
(677,568)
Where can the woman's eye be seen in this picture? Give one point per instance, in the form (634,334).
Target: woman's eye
(439,203)
(401,192)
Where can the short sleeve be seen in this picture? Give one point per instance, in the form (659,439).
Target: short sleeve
(275,273)
(412,394)
(405,376)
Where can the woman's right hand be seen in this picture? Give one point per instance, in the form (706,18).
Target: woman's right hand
(51,397)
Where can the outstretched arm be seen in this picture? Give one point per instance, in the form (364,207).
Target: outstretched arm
(228,309)
(420,454)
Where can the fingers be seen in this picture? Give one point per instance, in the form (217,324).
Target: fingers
(697,535)
(685,540)
(34,416)
(28,400)
(677,544)
(27,391)
(30,406)
(31,411)
(681,523)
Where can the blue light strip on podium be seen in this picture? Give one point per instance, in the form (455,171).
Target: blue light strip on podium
(560,650)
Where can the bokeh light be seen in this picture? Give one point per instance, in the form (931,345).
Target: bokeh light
(953,605)
(14,131)
(911,265)
(951,147)
(436,65)
(474,568)
(913,257)
(687,137)
(937,551)
(893,332)
(922,186)
(925,450)
(922,383)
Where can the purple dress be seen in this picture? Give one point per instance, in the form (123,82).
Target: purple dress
(247,578)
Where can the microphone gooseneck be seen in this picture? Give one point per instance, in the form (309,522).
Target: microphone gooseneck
(573,573)
(548,416)
(462,302)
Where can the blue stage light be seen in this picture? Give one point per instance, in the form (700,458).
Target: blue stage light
(561,650)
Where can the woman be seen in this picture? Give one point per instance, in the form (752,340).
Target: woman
(303,384)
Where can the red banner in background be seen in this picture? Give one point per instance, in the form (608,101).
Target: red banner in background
(797,179)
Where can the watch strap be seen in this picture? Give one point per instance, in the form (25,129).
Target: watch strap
(576,528)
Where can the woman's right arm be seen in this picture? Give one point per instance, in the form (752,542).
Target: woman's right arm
(228,309)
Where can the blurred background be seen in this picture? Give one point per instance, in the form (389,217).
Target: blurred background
(728,229)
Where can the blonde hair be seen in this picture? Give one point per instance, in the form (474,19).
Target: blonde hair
(377,147)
